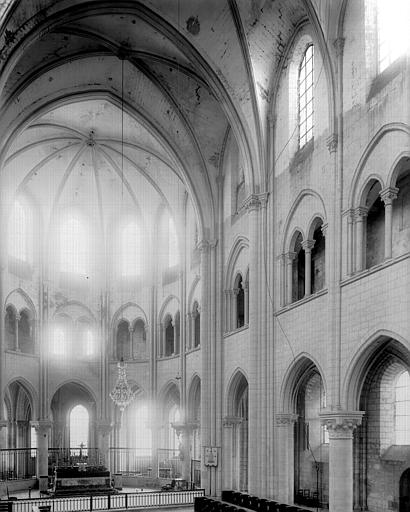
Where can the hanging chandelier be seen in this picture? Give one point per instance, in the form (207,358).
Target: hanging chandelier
(122,394)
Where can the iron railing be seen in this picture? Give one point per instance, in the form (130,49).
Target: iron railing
(121,501)
(131,461)
(18,463)
(169,463)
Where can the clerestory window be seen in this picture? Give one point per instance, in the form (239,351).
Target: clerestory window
(305,96)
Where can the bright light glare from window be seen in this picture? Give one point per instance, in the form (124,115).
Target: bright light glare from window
(79,419)
(393,20)
(143,433)
(73,247)
(130,261)
(306,97)
(89,343)
(58,342)
(173,257)
(402,413)
(18,232)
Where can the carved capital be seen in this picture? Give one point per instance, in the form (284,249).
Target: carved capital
(42,427)
(324,229)
(331,143)
(231,421)
(388,195)
(3,423)
(341,424)
(252,203)
(290,256)
(284,419)
(360,213)
(308,245)
(236,291)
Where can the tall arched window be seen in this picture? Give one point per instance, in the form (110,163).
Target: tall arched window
(74,246)
(393,31)
(89,347)
(20,232)
(402,409)
(79,422)
(173,255)
(123,340)
(174,416)
(240,302)
(169,336)
(25,332)
(130,250)
(305,96)
(10,324)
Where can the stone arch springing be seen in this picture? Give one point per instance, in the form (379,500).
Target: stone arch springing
(370,386)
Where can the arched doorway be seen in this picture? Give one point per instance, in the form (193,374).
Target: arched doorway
(237,421)
(405,491)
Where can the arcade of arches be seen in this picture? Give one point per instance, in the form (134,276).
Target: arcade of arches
(216,193)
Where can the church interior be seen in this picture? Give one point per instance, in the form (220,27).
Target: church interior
(205,257)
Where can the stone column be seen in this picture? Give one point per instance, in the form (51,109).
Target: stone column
(307,246)
(340,425)
(388,195)
(103,441)
(42,428)
(285,473)
(232,316)
(206,404)
(246,301)
(190,330)
(350,219)
(290,256)
(360,215)
(162,340)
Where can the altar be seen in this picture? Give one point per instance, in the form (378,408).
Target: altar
(81,479)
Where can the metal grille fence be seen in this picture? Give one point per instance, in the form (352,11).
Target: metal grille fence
(121,501)
(18,463)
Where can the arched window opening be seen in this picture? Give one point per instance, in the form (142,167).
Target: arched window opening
(174,416)
(401,214)
(173,253)
(139,340)
(25,332)
(392,30)
(169,337)
(402,409)
(311,466)
(374,227)
(240,303)
(10,324)
(177,332)
(197,325)
(89,347)
(74,247)
(123,340)
(298,271)
(143,434)
(79,427)
(318,261)
(20,232)
(305,97)
(130,252)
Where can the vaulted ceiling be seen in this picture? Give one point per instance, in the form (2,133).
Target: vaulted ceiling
(184,72)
